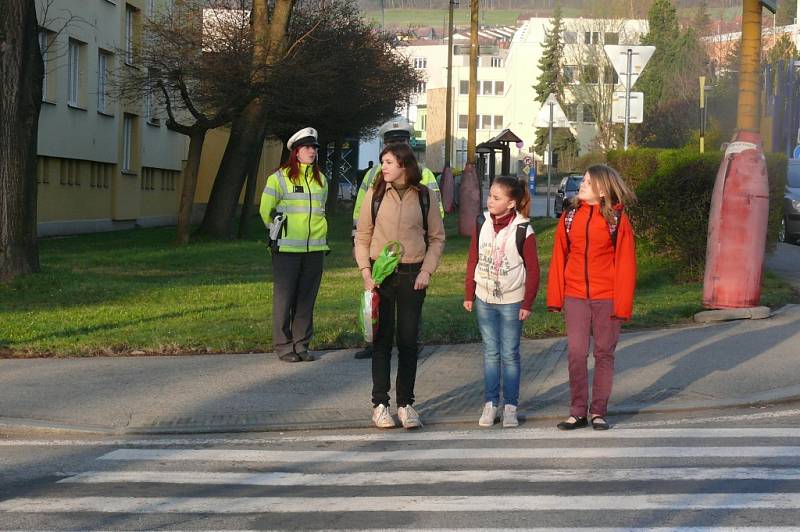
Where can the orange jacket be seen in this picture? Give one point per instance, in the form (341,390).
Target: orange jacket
(587,265)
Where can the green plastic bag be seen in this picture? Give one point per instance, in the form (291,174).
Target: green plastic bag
(387,261)
(384,266)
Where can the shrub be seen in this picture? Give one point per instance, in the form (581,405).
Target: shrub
(585,161)
(635,165)
(673,207)
(675,199)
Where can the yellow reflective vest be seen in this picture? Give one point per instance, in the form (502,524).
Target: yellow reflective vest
(428,179)
(303,205)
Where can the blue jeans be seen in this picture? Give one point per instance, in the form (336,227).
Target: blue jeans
(501,329)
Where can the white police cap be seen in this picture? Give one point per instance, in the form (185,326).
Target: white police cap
(305,137)
(396,129)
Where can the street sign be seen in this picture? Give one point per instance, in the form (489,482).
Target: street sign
(618,107)
(618,55)
(796,152)
(483,49)
(543,116)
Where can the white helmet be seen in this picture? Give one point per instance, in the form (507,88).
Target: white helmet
(305,137)
(396,129)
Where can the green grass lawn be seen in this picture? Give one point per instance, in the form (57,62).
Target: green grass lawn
(124,292)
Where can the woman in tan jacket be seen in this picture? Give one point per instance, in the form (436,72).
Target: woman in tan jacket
(393,210)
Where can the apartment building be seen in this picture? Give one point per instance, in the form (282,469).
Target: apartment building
(102,164)
(507,73)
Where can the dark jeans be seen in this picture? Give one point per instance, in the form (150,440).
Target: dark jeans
(295,279)
(399,310)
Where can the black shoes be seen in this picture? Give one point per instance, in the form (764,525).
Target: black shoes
(305,356)
(599,423)
(364,353)
(575,423)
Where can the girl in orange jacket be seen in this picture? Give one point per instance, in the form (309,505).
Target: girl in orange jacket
(592,279)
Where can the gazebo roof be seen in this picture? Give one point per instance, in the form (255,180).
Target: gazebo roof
(497,142)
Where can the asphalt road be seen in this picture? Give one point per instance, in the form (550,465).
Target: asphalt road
(719,470)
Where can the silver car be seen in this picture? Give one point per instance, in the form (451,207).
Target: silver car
(790,226)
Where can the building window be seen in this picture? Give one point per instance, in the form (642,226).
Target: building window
(498,121)
(588,115)
(485,122)
(610,76)
(463,86)
(499,88)
(591,37)
(486,88)
(570,74)
(44,47)
(497,62)
(571,110)
(73,72)
(103,68)
(130,33)
(591,74)
(420,62)
(611,38)
(421,87)
(463,121)
(128,130)
(423,122)
(570,37)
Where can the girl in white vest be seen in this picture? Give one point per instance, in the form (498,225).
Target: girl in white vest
(501,283)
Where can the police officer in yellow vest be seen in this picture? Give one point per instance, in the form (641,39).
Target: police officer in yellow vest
(293,209)
(395,130)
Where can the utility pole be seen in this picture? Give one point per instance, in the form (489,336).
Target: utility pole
(472,121)
(448,127)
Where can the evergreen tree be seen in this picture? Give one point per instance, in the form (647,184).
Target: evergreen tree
(551,81)
(672,74)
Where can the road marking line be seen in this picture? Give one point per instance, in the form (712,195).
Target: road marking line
(406,504)
(435,477)
(619,432)
(298,456)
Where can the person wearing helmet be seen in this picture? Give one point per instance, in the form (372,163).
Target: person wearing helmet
(397,130)
(293,209)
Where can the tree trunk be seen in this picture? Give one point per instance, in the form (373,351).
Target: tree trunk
(21,73)
(250,194)
(270,43)
(196,139)
(333,179)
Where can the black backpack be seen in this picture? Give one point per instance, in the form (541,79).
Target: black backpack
(424,205)
(522,233)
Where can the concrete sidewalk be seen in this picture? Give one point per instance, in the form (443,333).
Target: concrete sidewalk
(694,367)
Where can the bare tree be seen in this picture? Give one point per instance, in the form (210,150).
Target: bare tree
(21,73)
(195,59)
(269,23)
(594,80)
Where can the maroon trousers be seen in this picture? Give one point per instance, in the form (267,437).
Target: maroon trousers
(585,318)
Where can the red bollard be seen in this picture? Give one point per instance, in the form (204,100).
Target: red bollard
(737,226)
(469,200)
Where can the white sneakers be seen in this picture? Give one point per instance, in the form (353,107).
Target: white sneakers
(510,416)
(490,414)
(409,417)
(382,418)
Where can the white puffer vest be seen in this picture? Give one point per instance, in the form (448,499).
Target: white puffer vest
(500,272)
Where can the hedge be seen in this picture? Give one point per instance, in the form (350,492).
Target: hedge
(674,189)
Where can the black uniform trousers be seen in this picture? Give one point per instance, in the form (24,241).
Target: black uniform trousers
(295,279)
(399,312)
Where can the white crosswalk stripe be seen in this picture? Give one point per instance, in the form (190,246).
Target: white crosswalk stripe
(470,476)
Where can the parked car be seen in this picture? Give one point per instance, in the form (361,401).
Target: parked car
(567,189)
(790,226)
